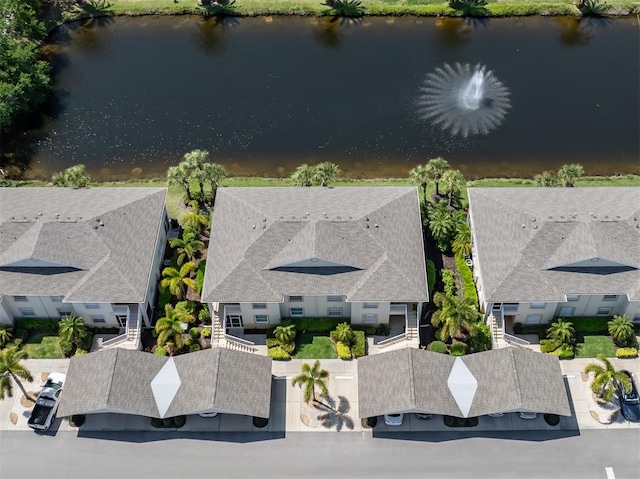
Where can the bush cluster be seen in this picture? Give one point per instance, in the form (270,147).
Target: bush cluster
(288,347)
(437,347)
(272,342)
(344,352)
(458,349)
(359,347)
(206,333)
(481,341)
(591,325)
(194,347)
(194,333)
(467,280)
(547,345)
(563,353)
(626,353)
(431,276)
(278,354)
(316,325)
(160,351)
(449,282)
(39,324)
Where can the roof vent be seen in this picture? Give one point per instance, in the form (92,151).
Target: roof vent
(253,226)
(523,225)
(376,225)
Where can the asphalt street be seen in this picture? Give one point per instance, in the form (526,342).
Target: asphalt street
(597,454)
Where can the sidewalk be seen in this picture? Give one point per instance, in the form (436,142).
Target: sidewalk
(290,414)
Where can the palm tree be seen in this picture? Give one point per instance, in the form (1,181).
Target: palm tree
(185,311)
(310,377)
(562,332)
(76,176)
(195,219)
(169,328)
(604,380)
(5,336)
(177,175)
(567,174)
(214,173)
(327,172)
(436,167)
(453,181)
(621,329)
(177,281)
(344,333)
(462,242)
(58,179)
(420,176)
(454,314)
(546,178)
(304,175)
(72,330)
(10,368)
(285,334)
(186,247)
(441,225)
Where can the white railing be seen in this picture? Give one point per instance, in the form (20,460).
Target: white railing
(515,340)
(122,337)
(392,341)
(239,344)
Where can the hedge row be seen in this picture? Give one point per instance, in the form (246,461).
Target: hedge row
(359,347)
(431,276)
(467,280)
(344,352)
(278,354)
(626,353)
(39,324)
(316,325)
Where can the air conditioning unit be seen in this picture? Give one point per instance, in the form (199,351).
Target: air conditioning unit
(167,262)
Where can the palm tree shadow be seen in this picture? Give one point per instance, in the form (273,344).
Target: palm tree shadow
(210,36)
(336,416)
(579,31)
(329,31)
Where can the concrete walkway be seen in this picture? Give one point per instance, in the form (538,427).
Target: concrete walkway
(287,406)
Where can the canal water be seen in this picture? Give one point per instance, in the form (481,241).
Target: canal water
(264,95)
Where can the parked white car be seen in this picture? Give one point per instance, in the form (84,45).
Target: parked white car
(393,419)
(528,415)
(44,412)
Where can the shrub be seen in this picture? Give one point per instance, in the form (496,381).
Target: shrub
(200,273)
(547,346)
(621,329)
(563,353)
(194,347)
(204,315)
(272,342)
(343,334)
(67,348)
(188,342)
(481,341)
(591,325)
(368,330)
(285,334)
(194,333)
(81,352)
(449,282)
(179,421)
(343,350)
(160,351)
(289,347)
(383,330)
(359,347)
(278,354)
(346,8)
(316,325)
(437,347)
(457,349)
(626,353)
(431,276)
(206,333)
(39,324)
(467,280)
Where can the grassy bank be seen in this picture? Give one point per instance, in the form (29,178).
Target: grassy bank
(67,10)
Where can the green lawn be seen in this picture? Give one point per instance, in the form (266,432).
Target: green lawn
(43,346)
(594,345)
(310,346)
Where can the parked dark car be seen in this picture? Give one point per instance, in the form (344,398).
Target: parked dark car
(44,412)
(629,402)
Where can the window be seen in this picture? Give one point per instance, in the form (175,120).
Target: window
(538,305)
(92,305)
(261,319)
(573,297)
(20,299)
(369,318)
(57,299)
(603,311)
(334,297)
(610,297)
(297,312)
(533,318)
(64,312)
(566,312)
(510,307)
(259,305)
(97,319)
(295,299)
(370,306)
(334,312)
(27,312)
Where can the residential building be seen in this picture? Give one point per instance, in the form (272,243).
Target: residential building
(542,253)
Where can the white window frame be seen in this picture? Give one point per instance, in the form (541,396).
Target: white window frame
(64,312)
(98,318)
(296,299)
(259,305)
(533,319)
(369,305)
(334,310)
(27,312)
(565,315)
(538,305)
(20,299)
(261,318)
(91,306)
(573,297)
(369,318)
(334,297)
(608,311)
(296,315)
(610,297)
(57,298)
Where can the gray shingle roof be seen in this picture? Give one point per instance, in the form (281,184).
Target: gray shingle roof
(413,380)
(61,226)
(562,226)
(215,379)
(374,230)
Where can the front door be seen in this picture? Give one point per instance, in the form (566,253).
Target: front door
(234,321)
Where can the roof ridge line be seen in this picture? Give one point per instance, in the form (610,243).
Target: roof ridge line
(516,375)
(412,388)
(111,376)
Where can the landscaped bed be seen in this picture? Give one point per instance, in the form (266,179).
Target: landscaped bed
(43,346)
(310,346)
(591,346)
